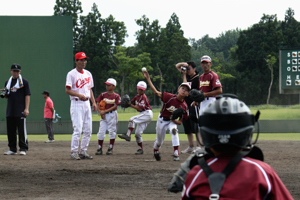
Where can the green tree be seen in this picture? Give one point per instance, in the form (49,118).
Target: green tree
(175,49)
(98,39)
(129,68)
(270,60)
(254,44)
(290,30)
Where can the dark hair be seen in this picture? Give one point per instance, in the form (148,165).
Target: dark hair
(191,63)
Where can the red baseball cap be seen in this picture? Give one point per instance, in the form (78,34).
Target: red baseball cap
(80,55)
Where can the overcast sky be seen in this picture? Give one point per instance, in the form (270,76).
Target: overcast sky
(197,17)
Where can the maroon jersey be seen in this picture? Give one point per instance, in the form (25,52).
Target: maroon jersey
(171,103)
(208,82)
(142,102)
(251,179)
(110,99)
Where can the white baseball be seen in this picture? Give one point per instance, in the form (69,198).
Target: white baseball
(144,69)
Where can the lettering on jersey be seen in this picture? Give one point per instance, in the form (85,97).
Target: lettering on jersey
(218,82)
(81,82)
(204,83)
(142,103)
(109,101)
(224,138)
(171,109)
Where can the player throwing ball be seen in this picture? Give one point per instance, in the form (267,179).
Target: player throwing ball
(165,121)
(141,103)
(109,116)
(79,86)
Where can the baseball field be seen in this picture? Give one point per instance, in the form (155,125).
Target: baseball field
(47,172)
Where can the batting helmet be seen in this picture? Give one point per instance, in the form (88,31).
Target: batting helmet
(227,121)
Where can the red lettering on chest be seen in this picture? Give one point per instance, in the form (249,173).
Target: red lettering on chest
(81,82)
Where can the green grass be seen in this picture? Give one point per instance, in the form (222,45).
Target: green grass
(266,112)
(151,137)
(277,112)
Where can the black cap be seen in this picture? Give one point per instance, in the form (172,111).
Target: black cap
(15,66)
(46,92)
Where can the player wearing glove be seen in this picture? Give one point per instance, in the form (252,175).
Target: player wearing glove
(125,101)
(141,103)
(171,102)
(178,113)
(196,95)
(101,106)
(110,121)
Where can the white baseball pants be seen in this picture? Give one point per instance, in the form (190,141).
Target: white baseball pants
(81,116)
(141,121)
(205,103)
(161,128)
(110,123)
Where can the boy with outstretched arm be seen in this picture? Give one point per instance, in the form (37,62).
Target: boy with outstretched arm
(165,121)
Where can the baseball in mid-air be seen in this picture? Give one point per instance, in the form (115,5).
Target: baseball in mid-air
(144,69)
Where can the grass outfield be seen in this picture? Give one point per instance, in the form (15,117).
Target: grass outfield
(267,112)
(151,137)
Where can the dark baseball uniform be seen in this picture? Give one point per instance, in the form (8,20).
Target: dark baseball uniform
(207,83)
(111,118)
(143,119)
(251,179)
(170,104)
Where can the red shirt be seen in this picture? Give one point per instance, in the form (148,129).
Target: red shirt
(251,179)
(142,102)
(208,82)
(171,103)
(110,99)
(47,109)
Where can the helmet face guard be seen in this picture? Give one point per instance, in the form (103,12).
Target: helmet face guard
(227,121)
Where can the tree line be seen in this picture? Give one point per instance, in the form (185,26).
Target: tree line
(247,61)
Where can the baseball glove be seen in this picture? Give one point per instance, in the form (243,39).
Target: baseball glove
(196,95)
(125,101)
(177,113)
(102,105)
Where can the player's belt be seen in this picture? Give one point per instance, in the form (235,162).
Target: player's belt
(165,118)
(81,100)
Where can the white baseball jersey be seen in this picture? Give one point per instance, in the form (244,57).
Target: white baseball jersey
(80,82)
(80,111)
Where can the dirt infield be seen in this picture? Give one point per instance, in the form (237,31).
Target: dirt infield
(46,172)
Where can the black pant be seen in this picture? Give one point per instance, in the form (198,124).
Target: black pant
(13,124)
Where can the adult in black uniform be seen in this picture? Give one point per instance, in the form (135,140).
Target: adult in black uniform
(188,69)
(18,99)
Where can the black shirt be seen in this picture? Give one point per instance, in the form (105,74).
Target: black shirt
(195,85)
(16,99)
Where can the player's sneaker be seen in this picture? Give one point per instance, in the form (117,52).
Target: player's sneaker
(22,153)
(85,155)
(125,137)
(157,156)
(139,152)
(176,157)
(74,156)
(49,141)
(188,150)
(10,153)
(99,151)
(197,149)
(109,151)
